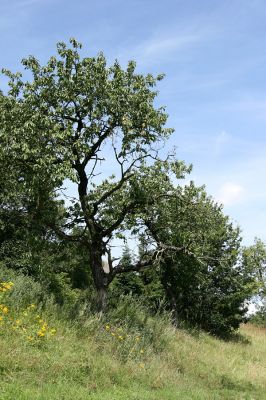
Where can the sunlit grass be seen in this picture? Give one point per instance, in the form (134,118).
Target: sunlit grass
(137,357)
(91,367)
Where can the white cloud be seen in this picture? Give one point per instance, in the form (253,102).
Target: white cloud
(230,193)
(167,44)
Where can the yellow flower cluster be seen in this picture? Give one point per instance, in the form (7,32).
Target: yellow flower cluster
(129,346)
(44,329)
(25,322)
(3,309)
(33,326)
(117,333)
(5,286)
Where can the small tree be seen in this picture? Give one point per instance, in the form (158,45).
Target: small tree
(130,283)
(254,259)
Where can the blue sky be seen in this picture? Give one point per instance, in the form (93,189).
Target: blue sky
(214,56)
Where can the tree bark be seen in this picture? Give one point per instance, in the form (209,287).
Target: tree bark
(100,277)
(172,301)
(102,299)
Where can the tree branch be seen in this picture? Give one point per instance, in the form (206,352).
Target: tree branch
(120,219)
(94,148)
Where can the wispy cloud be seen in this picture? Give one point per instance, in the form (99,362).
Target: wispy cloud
(230,193)
(163,45)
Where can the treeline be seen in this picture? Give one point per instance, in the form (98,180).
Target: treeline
(95,125)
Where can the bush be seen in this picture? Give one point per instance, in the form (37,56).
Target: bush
(259,319)
(23,321)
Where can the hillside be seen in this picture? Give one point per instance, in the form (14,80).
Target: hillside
(92,362)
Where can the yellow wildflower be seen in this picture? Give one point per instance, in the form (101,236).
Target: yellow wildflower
(7,286)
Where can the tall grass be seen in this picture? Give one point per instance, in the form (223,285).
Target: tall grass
(126,354)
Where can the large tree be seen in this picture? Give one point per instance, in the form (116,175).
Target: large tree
(208,286)
(97,126)
(199,269)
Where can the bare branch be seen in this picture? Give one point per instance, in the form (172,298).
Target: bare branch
(95,147)
(125,176)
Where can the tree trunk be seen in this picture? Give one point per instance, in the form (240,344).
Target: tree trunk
(102,299)
(100,277)
(172,301)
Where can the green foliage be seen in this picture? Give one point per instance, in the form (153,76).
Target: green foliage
(259,319)
(254,259)
(129,283)
(25,290)
(60,125)
(205,282)
(57,125)
(143,285)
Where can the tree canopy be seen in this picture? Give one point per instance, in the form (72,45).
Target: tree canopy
(62,123)
(82,121)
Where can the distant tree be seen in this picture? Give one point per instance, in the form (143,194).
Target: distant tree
(130,283)
(254,259)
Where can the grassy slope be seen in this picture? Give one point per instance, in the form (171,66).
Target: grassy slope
(80,365)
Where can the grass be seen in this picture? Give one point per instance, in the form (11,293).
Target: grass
(79,365)
(129,356)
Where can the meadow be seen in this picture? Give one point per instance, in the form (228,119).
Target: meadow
(45,354)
